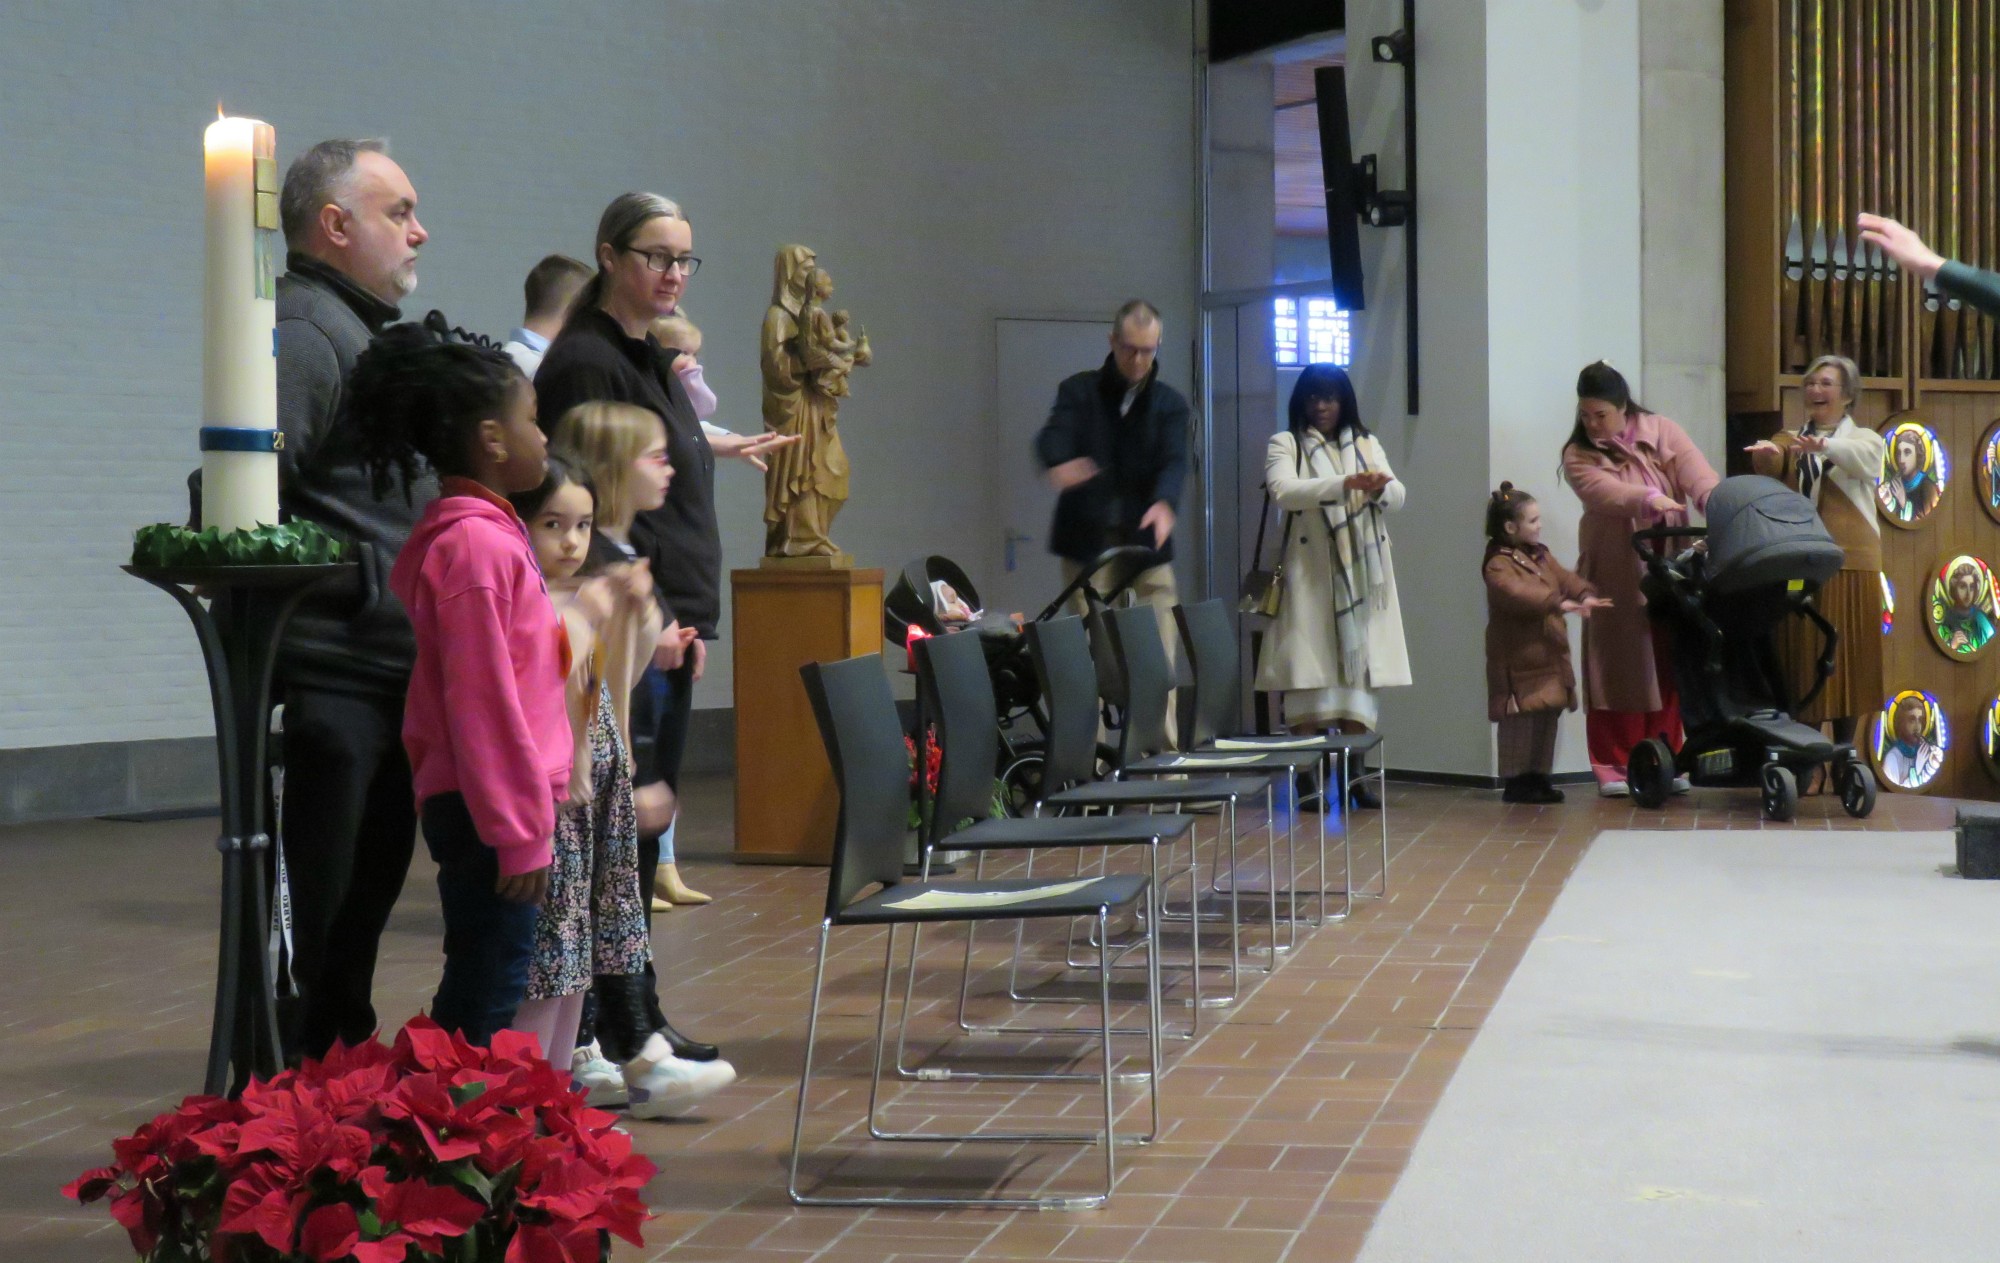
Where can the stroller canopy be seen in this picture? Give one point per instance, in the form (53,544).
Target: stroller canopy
(910,602)
(1762,532)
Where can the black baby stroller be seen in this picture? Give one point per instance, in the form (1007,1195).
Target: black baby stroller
(1765,555)
(913,606)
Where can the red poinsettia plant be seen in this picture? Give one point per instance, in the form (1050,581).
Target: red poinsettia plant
(429,1150)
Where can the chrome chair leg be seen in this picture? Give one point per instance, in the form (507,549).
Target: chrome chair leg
(805,1071)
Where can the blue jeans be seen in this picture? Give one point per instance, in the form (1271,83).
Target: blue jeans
(488,941)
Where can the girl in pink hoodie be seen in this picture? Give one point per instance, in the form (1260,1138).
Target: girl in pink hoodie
(485,724)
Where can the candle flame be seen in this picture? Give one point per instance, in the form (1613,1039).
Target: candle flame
(218,111)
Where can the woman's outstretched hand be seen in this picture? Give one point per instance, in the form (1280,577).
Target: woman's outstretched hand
(750,447)
(1903,246)
(1659,502)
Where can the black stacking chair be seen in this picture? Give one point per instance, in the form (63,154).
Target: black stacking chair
(1211,720)
(956,685)
(864,742)
(1068,676)
(1132,638)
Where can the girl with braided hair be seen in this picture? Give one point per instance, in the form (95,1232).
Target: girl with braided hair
(486,725)
(1529,681)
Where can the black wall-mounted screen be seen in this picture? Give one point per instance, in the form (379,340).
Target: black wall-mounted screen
(1237,27)
(1343,196)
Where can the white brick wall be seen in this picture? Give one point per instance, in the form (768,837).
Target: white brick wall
(952,160)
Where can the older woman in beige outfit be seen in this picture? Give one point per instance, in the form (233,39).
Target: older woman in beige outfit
(1836,464)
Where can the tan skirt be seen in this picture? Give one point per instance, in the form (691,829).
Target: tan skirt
(1852,602)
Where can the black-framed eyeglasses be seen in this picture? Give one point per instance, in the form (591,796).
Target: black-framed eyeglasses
(661,261)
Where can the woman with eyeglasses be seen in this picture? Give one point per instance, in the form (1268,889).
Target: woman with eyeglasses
(607,352)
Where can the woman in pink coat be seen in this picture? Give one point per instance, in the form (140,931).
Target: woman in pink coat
(1632,469)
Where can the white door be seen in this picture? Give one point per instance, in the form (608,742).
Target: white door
(1021,575)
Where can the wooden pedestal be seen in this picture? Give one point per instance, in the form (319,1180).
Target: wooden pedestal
(786,804)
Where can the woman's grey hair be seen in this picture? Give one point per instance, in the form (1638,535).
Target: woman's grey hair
(1847,370)
(620,222)
(321,175)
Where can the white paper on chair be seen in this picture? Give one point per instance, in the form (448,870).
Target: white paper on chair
(942,900)
(1233,743)
(1217,760)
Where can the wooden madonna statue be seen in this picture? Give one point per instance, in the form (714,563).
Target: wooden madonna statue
(807,355)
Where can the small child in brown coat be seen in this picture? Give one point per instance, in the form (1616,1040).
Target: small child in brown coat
(1529,682)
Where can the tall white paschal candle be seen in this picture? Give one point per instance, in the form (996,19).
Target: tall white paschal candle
(239,380)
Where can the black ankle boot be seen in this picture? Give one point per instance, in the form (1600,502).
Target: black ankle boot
(684,1048)
(687,1049)
(1545,790)
(1518,789)
(622,1025)
(1362,798)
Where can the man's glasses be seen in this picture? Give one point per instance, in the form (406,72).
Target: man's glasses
(661,261)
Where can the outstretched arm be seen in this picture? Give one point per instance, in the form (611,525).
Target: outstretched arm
(1908,251)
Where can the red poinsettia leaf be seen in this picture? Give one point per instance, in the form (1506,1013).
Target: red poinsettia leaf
(91,1185)
(394,1248)
(139,1214)
(571,1191)
(517,1047)
(375,1183)
(344,1058)
(428,1210)
(446,1148)
(355,1094)
(503,1141)
(330,1233)
(621,1214)
(424,1043)
(268,1215)
(222,1141)
(635,1172)
(534,1243)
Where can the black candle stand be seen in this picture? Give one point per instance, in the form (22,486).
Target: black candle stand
(239,630)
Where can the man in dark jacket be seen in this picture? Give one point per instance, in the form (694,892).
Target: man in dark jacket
(1115,448)
(349,822)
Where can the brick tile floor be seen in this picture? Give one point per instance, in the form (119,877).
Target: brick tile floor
(1285,1125)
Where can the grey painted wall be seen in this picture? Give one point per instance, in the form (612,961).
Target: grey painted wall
(952,162)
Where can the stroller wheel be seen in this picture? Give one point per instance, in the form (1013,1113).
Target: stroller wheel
(1021,784)
(1857,787)
(1650,773)
(1781,793)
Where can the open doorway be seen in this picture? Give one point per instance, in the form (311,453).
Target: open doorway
(1267,311)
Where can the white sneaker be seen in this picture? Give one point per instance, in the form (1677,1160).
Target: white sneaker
(661,1085)
(1682,785)
(602,1082)
(1613,789)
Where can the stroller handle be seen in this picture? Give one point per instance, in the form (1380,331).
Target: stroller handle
(1133,553)
(1641,538)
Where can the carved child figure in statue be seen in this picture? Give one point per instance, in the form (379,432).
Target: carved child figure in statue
(829,339)
(807,355)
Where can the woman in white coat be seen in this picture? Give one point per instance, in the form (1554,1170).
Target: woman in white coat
(1338,635)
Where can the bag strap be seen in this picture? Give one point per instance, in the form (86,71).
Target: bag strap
(1263,520)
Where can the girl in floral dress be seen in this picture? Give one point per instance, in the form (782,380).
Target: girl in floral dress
(593,922)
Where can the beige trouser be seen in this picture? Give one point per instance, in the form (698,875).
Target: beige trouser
(1154,587)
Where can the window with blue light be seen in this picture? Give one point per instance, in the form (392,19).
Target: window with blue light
(1318,334)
